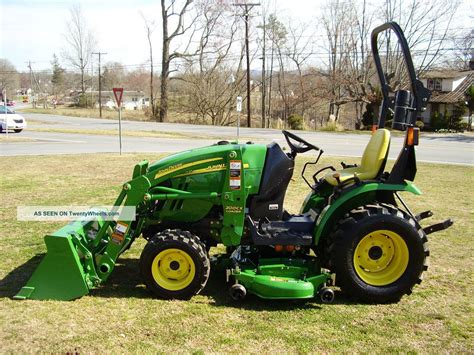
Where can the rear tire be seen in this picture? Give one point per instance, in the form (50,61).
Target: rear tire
(175,265)
(378,253)
(18,130)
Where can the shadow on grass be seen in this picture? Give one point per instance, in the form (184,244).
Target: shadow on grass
(11,284)
(451,138)
(125,282)
(218,290)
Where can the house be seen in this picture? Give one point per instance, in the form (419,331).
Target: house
(448,88)
(131,100)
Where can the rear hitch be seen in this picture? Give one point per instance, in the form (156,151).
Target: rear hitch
(438,226)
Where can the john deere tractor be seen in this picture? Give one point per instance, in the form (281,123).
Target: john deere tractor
(354,230)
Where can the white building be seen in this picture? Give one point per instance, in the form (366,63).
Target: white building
(131,100)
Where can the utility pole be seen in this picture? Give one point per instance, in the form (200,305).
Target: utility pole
(247,8)
(100,83)
(32,74)
(31,82)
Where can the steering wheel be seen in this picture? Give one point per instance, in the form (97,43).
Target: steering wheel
(301,147)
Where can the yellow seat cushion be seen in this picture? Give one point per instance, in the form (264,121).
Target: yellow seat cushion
(375,155)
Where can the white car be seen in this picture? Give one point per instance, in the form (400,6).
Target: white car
(11,120)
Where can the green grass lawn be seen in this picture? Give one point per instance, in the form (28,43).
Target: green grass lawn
(121,316)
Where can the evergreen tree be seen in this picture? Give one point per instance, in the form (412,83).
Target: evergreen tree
(57,79)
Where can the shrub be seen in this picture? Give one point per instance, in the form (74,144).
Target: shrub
(295,121)
(450,122)
(332,127)
(368,117)
(85,101)
(438,121)
(420,124)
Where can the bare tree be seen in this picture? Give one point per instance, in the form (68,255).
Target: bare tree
(170,10)
(150,28)
(337,20)
(113,75)
(359,73)
(427,28)
(9,78)
(299,50)
(137,79)
(277,35)
(350,69)
(463,50)
(211,85)
(80,42)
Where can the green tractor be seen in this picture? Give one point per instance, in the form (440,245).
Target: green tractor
(353,231)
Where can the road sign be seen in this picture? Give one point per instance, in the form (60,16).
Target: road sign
(118,92)
(239,104)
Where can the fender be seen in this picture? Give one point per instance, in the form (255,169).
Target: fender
(356,197)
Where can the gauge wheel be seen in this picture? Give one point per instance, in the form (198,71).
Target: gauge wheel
(175,265)
(378,253)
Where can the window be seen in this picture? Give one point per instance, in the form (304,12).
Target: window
(435,84)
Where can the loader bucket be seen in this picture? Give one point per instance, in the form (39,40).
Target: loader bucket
(61,274)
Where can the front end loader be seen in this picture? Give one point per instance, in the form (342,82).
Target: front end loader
(353,231)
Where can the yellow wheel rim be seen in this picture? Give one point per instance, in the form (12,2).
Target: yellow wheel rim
(173,269)
(381,258)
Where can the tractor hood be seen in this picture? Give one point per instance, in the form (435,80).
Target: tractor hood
(210,158)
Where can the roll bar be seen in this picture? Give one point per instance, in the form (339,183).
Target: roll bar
(419,94)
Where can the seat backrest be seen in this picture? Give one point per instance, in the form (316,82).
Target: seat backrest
(276,176)
(375,153)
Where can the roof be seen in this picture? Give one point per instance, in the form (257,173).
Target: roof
(445,74)
(454,96)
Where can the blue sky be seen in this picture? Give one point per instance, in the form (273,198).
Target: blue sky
(33,30)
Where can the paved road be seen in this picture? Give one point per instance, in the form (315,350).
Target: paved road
(453,148)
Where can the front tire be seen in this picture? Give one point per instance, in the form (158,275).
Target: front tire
(175,265)
(378,253)
(18,130)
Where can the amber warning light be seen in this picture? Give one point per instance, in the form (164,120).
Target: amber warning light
(413,135)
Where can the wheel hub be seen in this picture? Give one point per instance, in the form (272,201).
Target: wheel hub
(174,265)
(375,252)
(381,258)
(173,269)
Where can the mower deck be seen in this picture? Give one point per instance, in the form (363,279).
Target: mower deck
(282,278)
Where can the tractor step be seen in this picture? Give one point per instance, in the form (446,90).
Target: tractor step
(297,230)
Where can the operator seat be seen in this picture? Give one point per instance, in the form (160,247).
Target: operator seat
(372,163)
